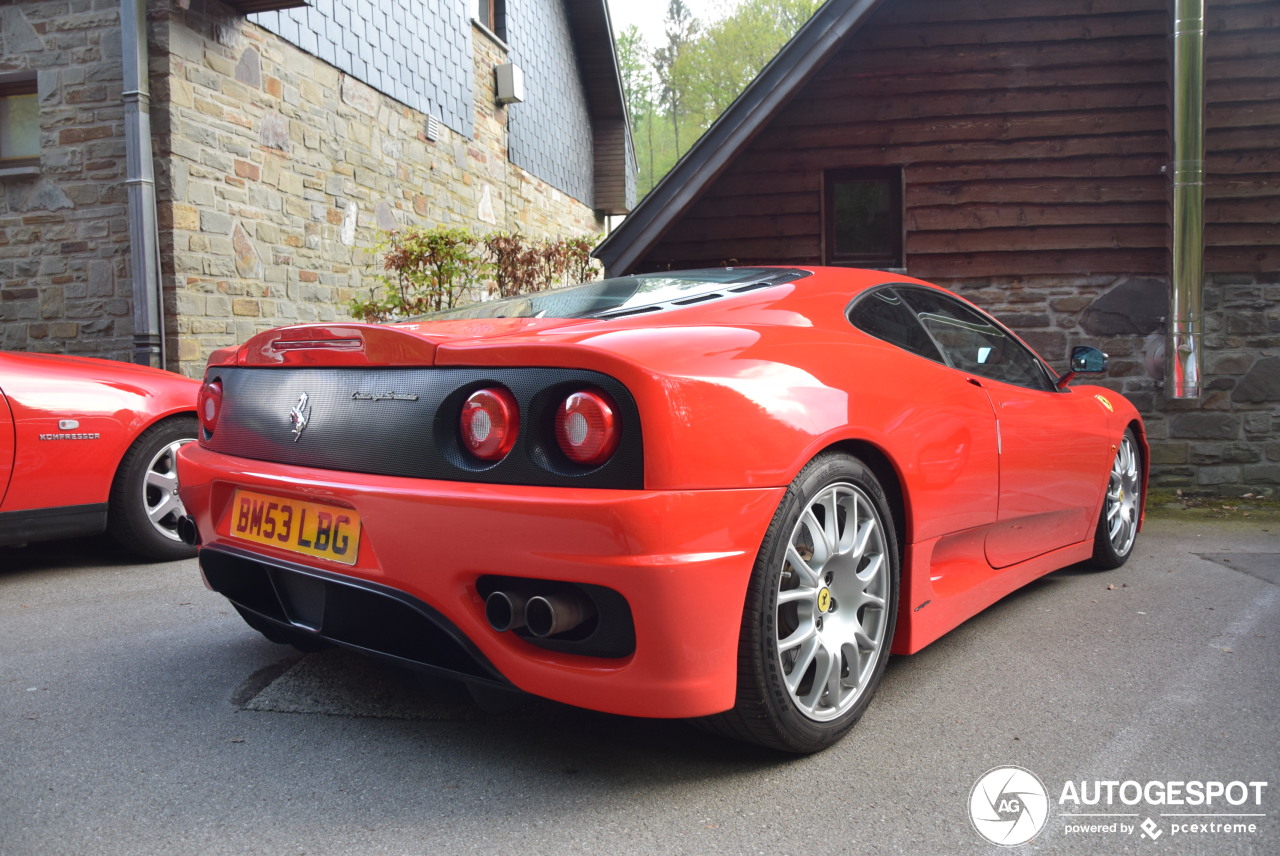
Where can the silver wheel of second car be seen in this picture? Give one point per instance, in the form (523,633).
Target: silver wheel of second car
(832,602)
(144,506)
(160,490)
(1124,497)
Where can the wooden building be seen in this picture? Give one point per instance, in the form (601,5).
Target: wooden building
(1025,153)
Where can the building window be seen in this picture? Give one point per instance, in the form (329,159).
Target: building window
(19,122)
(862,217)
(492,15)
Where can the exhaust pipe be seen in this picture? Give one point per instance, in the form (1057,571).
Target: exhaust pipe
(548,615)
(187,530)
(505,610)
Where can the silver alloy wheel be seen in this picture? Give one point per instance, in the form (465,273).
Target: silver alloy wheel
(1124,497)
(160,491)
(831,614)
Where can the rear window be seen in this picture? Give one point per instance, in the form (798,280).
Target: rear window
(627,295)
(883,314)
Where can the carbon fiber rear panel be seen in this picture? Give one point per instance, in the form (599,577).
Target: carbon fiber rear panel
(404,422)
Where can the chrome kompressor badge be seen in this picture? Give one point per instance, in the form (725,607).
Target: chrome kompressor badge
(299,416)
(67,431)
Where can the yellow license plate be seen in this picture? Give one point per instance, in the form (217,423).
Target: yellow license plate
(309,528)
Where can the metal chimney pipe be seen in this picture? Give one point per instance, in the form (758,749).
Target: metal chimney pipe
(1186,315)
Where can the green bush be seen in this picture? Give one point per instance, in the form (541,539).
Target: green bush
(426,270)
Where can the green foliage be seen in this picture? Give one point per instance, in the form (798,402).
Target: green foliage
(426,270)
(676,91)
(733,51)
(671,65)
(429,271)
(574,256)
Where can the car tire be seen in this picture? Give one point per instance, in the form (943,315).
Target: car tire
(307,643)
(143,509)
(1117,529)
(820,611)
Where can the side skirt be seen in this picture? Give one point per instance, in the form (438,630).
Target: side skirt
(947,581)
(47,524)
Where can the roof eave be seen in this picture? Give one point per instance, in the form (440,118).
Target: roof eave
(592,33)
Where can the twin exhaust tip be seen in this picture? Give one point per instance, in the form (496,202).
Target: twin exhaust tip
(187,531)
(542,615)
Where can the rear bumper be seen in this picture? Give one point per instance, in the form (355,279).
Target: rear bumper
(680,559)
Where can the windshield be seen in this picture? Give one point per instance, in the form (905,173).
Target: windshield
(627,295)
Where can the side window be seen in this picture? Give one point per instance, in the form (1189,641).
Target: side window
(19,121)
(862,217)
(883,314)
(972,342)
(493,15)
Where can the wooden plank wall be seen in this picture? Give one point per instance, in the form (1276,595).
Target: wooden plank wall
(1242,137)
(610,162)
(1032,135)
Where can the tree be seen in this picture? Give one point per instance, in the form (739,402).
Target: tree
(697,74)
(734,50)
(635,61)
(682,29)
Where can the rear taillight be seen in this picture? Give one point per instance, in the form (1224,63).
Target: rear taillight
(587,428)
(490,422)
(209,405)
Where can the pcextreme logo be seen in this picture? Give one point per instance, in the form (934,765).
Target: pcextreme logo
(1010,806)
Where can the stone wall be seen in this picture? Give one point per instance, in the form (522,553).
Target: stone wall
(279,171)
(1229,440)
(1225,442)
(64,242)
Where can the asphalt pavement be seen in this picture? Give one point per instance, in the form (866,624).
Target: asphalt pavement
(141,716)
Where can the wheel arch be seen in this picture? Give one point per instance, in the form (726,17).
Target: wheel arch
(886,472)
(147,530)
(1139,429)
(159,420)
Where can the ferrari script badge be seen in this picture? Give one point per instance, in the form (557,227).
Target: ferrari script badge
(299,416)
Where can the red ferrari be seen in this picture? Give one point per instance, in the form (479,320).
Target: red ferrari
(718,494)
(87,446)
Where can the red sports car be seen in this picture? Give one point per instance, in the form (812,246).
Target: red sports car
(88,445)
(717,494)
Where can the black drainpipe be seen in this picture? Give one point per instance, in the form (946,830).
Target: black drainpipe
(140,187)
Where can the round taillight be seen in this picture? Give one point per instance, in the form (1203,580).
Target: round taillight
(587,428)
(209,405)
(490,421)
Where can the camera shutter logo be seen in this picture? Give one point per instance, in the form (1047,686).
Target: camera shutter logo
(1008,806)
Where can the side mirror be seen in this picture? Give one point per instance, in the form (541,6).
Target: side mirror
(1084,360)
